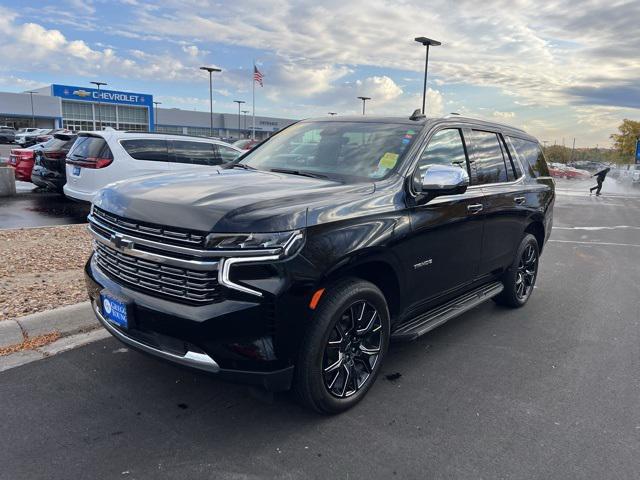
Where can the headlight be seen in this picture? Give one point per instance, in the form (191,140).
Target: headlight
(254,241)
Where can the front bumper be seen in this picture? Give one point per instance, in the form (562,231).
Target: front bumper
(230,340)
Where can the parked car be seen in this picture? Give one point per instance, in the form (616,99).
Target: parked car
(100,158)
(44,137)
(575,173)
(22,160)
(246,143)
(298,269)
(557,170)
(29,136)
(7,135)
(49,163)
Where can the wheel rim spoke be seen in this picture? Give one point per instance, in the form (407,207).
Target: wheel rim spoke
(352,350)
(526,272)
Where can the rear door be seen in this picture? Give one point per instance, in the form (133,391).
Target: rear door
(444,249)
(193,155)
(505,198)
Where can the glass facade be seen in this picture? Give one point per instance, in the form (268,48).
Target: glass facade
(90,116)
(202,131)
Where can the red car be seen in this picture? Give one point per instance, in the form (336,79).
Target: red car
(22,161)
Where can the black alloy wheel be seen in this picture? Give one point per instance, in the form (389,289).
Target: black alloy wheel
(352,350)
(526,272)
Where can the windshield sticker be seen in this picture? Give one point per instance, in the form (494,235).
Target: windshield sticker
(388,160)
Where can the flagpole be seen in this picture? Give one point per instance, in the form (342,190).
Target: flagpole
(253,82)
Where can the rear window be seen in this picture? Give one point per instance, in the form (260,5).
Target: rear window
(56,144)
(89,147)
(197,153)
(147,149)
(531,156)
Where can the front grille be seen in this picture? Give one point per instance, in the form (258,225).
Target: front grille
(150,231)
(187,286)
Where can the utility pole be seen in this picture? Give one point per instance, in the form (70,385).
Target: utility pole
(33,115)
(427,42)
(239,102)
(211,70)
(245,120)
(97,84)
(155,116)
(364,101)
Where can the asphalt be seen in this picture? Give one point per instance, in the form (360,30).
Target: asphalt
(548,391)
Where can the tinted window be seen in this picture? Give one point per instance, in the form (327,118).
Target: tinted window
(488,165)
(198,153)
(89,147)
(531,156)
(227,154)
(510,154)
(445,148)
(147,149)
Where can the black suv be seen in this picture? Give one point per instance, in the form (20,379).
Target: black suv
(298,263)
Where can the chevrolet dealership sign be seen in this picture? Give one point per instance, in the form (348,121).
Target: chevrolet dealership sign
(69,92)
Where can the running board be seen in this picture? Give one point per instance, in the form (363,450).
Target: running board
(437,316)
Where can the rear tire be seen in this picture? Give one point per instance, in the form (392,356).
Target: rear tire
(520,277)
(343,350)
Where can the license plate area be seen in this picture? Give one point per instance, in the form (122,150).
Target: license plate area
(76,171)
(116,309)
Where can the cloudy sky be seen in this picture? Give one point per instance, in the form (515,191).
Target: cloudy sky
(559,69)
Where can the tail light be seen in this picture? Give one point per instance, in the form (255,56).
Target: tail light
(91,162)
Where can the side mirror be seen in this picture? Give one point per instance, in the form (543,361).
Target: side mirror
(440,180)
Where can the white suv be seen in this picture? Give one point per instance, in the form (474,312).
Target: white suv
(103,157)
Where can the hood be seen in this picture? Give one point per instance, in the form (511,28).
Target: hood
(227,200)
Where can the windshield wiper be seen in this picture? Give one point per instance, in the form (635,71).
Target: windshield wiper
(243,166)
(302,173)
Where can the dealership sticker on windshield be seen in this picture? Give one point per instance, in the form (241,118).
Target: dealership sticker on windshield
(388,160)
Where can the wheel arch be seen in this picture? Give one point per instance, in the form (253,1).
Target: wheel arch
(536,228)
(376,267)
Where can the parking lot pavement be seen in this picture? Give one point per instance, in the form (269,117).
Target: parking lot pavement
(40,209)
(547,391)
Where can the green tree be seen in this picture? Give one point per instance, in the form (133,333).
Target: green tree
(625,140)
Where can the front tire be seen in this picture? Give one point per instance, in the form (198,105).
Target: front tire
(520,277)
(342,352)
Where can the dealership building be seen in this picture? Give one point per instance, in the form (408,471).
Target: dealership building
(82,108)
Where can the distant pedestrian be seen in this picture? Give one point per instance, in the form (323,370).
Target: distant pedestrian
(600,176)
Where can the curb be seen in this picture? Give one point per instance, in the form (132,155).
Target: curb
(66,321)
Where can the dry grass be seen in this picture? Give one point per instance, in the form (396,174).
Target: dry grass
(31,343)
(41,269)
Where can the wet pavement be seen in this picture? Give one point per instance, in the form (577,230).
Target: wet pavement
(547,391)
(30,208)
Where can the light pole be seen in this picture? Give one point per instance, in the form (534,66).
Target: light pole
(97,84)
(364,101)
(211,70)
(332,113)
(33,115)
(427,42)
(155,116)
(239,102)
(245,119)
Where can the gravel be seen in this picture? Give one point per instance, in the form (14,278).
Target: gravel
(41,269)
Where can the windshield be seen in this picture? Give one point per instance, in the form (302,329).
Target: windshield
(356,151)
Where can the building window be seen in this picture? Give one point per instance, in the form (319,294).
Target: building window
(170,129)
(202,131)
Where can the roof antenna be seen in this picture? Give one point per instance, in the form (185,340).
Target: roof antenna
(417,115)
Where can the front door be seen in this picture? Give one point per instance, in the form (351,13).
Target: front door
(444,249)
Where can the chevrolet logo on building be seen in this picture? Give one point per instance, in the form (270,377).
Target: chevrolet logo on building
(82,93)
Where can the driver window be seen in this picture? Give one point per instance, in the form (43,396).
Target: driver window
(445,148)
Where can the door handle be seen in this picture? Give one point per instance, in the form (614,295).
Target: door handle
(475,208)
(519,200)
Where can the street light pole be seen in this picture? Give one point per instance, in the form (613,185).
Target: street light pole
(427,42)
(97,84)
(239,102)
(211,70)
(33,115)
(155,116)
(332,113)
(364,101)
(245,119)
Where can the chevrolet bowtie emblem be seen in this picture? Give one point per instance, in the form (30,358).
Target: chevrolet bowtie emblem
(121,243)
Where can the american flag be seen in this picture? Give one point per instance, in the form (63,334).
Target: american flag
(257,76)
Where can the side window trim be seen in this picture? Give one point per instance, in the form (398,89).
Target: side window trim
(426,143)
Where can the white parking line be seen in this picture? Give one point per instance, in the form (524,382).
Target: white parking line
(617,227)
(597,243)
